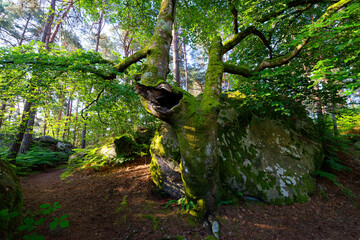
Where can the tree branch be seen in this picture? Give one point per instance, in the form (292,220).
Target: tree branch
(263,39)
(283,59)
(127,62)
(63,16)
(238,70)
(236,39)
(95,100)
(234,14)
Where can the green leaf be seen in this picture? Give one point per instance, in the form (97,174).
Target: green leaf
(47,211)
(31,228)
(23,227)
(13,214)
(170,202)
(29,220)
(46,205)
(63,217)
(64,224)
(53,224)
(39,222)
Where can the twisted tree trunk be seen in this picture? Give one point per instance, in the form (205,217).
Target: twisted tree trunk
(195,122)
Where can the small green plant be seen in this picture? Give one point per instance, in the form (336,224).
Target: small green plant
(185,204)
(332,177)
(336,147)
(30,222)
(154,220)
(226,202)
(5,215)
(123,204)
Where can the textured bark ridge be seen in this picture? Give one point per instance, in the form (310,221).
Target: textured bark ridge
(265,156)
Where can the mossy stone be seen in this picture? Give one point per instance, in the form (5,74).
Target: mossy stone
(268,156)
(11,199)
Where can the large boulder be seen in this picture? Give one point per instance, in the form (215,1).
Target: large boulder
(46,139)
(11,201)
(114,150)
(261,154)
(64,147)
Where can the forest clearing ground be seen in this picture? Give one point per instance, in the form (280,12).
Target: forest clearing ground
(123,203)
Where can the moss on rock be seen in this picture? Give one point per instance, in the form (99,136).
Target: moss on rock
(165,161)
(113,150)
(268,156)
(10,199)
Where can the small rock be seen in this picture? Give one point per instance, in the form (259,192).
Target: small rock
(215,229)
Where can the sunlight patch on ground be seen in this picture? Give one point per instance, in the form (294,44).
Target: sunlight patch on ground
(268,226)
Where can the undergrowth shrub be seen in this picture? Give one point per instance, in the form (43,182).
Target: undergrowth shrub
(112,151)
(38,158)
(336,148)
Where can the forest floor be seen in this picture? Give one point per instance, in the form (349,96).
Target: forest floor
(123,203)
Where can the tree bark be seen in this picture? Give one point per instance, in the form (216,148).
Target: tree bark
(83,137)
(195,122)
(2,112)
(336,131)
(186,70)
(176,65)
(15,147)
(45,125)
(25,29)
(25,144)
(47,28)
(75,124)
(27,138)
(99,31)
(63,16)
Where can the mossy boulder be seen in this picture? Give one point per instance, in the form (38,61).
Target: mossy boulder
(164,166)
(11,201)
(113,150)
(261,154)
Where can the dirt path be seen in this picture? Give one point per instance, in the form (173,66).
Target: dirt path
(124,204)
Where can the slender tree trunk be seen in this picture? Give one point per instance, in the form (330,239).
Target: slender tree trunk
(24,31)
(59,22)
(99,31)
(14,149)
(186,70)
(176,65)
(2,112)
(83,136)
(45,125)
(45,37)
(75,125)
(25,144)
(60,117)
(67,118)
(336,131)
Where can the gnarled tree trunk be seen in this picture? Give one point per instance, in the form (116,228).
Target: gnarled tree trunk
(195,122)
